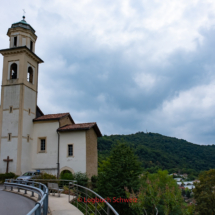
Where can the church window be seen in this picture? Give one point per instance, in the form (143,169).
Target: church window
(70,150)
(11,109)
(28,138)
(29,111)
(13,71)
(9,137)
(42,144)
(14,41)
(31,46)
(30,74)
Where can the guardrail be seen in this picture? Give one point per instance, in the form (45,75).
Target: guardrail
(41,206)
(89,201)
(60,182)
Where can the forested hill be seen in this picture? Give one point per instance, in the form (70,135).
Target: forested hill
(157,151)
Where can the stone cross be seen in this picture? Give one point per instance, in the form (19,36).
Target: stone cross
(7,160)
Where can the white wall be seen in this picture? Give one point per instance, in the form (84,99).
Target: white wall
(10,125)
(78,139)
(29,99)
(8,149)
(11,96)
(45,160)
(48,161)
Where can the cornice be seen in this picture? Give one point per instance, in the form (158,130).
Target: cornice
(21,49)
(19,29)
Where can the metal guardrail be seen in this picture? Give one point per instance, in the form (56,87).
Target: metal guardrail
(61,182)
(41,206)
(89,201)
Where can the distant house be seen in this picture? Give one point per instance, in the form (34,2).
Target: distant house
(177,179)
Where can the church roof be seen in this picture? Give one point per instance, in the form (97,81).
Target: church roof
(81,126)
(23,24)
(52,117)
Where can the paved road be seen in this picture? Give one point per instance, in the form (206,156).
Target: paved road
(14,204)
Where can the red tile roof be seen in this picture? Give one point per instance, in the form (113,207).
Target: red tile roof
(81,126)
(51,116)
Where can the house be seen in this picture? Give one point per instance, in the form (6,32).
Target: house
(30,139)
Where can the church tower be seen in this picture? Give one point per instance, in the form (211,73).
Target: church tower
(18,97)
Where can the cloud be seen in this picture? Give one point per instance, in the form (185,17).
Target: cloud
(129,65)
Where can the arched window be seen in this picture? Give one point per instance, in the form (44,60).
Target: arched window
(13,71)
(30,75)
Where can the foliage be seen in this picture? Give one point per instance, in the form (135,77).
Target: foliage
(94,180)
(156,152)
(81,179)
(67,176)
(46,176)
(121,169)
(91,207)
(204,193)
(7,176)
(158,194)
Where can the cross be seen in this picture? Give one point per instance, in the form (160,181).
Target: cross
(7,160)
(23,12)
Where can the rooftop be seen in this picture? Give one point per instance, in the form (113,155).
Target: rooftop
(50,117)
(23,24)
(81,126)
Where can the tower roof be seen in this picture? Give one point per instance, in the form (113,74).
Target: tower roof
(23,24)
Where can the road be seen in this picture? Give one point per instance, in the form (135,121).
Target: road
(14,204)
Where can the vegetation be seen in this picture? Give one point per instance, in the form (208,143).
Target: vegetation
(158,194)
(7,176)
(204,193)
(46,176)
(156,152)
(121,169)
(81,178)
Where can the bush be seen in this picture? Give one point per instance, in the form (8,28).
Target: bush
(94,180)
(7,176)
(67,176)
(81,179)
(46,176)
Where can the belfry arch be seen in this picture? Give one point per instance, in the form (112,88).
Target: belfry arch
(30,75)
(13,71)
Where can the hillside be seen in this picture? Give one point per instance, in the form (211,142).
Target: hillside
(157,151)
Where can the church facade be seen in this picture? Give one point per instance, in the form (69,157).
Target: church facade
(32,140)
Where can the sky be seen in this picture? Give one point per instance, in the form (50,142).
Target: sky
(128,65)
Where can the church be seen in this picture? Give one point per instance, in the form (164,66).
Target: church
(29,139)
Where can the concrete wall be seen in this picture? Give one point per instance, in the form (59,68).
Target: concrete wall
(10,123)
(46,160)
(78,162)
(27,128)
(91,153)
(8,149)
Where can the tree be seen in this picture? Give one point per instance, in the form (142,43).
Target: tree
(204,193)
(121,169)
(158,194)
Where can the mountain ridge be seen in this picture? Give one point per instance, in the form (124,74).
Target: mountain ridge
(156,151)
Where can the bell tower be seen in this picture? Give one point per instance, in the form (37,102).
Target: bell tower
(18,97)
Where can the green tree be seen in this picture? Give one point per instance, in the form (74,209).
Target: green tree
(121,169)
(158,194)
(204,193)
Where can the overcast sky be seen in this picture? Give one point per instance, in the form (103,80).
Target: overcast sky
(128,65)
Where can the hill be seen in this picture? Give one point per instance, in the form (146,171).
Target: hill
(156,151)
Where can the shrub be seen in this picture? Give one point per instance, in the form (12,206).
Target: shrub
(46,176)
(7,176)
(67,176)
(81,179)
(94,180)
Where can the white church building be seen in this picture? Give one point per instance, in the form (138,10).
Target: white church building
(30,139)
